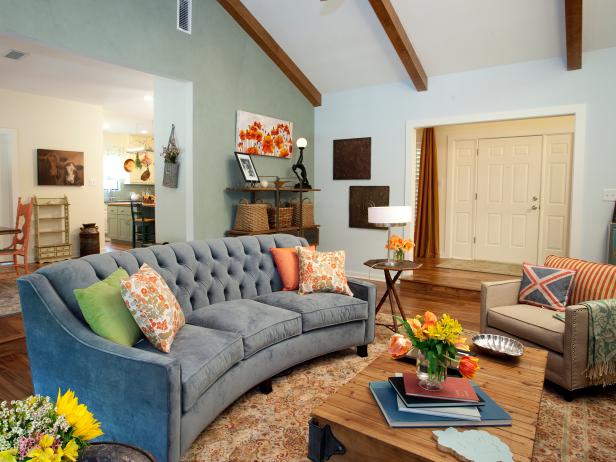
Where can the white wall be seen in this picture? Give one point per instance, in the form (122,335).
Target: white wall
(382,111)
(50,123)
(174,207)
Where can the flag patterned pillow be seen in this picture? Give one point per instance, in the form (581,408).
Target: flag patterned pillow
(153,306)
(547,287)
(322,272)
(593,281)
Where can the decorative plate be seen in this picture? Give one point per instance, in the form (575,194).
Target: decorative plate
(498,345)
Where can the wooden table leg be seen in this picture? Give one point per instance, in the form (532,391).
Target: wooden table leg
(390,290)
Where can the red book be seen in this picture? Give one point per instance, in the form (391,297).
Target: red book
(454,389)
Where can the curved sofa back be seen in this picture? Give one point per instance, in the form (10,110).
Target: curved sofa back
(199,273)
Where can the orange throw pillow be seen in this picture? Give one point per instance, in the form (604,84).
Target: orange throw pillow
(287,263)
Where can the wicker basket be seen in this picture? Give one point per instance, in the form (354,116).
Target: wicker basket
(251,217)
(307,213)
(285,217)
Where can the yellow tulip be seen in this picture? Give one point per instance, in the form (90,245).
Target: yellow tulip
(85,426)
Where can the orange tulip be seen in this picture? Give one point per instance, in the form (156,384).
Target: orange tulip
(399,346)
(430,319)
(468,366)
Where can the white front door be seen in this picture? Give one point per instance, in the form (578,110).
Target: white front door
(508,199)
(556,196)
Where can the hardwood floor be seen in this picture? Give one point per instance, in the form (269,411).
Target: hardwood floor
(417,295)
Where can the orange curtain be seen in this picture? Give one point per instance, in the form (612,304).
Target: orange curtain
(426,225)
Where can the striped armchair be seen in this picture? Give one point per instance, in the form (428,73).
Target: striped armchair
(566,342)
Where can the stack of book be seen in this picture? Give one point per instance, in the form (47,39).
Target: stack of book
(459,403)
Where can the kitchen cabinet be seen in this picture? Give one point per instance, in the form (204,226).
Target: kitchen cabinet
(119,223)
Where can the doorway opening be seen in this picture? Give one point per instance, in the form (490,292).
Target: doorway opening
(504,190)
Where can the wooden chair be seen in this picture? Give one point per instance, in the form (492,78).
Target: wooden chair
(20,244)
(143,226)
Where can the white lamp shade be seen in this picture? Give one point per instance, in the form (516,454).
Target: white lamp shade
(302,142)
(389,215)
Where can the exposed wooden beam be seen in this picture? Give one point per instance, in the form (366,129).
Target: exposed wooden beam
(573,26)
(254,29)
(399,39)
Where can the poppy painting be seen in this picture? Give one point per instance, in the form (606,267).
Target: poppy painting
(59,168)
(263,136)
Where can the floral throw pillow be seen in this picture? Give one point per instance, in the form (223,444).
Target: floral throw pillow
(153,306)
(322,272)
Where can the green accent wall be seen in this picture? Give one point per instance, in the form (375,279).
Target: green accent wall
(228,70)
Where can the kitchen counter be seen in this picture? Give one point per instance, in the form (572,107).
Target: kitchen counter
(127,204)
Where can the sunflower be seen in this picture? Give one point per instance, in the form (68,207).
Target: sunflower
(85,426)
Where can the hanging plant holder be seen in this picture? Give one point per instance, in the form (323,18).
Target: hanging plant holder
(171,174)
(171,153)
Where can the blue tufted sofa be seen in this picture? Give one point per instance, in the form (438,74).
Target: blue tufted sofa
(241,330)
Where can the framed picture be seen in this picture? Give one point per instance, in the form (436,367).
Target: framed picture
(249,172)
(59,168)
(352,159)
(362,197)
(263,136)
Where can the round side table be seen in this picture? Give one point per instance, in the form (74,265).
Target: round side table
(391,292)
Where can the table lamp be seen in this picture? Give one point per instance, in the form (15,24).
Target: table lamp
(389,217)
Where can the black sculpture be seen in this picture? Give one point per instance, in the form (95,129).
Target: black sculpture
(299,165)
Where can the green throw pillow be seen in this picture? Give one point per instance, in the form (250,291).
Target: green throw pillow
(104,309)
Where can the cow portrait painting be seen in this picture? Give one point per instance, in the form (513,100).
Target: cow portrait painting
(59,168)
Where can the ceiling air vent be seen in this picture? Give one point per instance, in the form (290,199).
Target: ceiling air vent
(14,54)
(185,16)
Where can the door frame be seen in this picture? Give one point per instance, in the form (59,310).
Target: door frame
(11,135)
(577,162)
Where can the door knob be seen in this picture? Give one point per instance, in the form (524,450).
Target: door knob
(534,207)
(535,198)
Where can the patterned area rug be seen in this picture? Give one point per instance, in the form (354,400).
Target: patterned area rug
(274,427)
(9,297)
(481,266)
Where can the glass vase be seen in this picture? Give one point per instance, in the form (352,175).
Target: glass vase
(399,257)
(430,379)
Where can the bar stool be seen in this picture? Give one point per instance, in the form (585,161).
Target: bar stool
(144,227)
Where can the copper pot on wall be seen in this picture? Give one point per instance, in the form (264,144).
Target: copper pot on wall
(89,240)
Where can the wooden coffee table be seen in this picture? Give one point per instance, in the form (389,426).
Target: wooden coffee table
(357,424)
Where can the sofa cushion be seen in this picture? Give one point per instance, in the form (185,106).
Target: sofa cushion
(259,325)
(530,323)
(319,309)
(204,356)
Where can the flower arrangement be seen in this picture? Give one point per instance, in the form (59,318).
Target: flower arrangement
(171,152)
(37,430)
(257,139)
(438,341)
(400,246)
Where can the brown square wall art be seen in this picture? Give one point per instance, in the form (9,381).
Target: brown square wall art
(352,159)
(362,197)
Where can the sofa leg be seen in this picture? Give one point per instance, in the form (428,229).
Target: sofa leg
(265,387)
(362,351)
(569,395)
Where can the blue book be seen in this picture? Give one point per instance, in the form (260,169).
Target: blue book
(492,415)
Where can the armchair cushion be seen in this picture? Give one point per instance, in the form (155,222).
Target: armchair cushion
(593,281)
(319,310)
(258,324)
(204,356)
(530,323)
(547,287)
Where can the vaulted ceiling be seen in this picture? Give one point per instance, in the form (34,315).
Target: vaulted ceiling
(340,44)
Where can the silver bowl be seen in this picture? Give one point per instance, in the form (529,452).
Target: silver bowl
(498,345)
